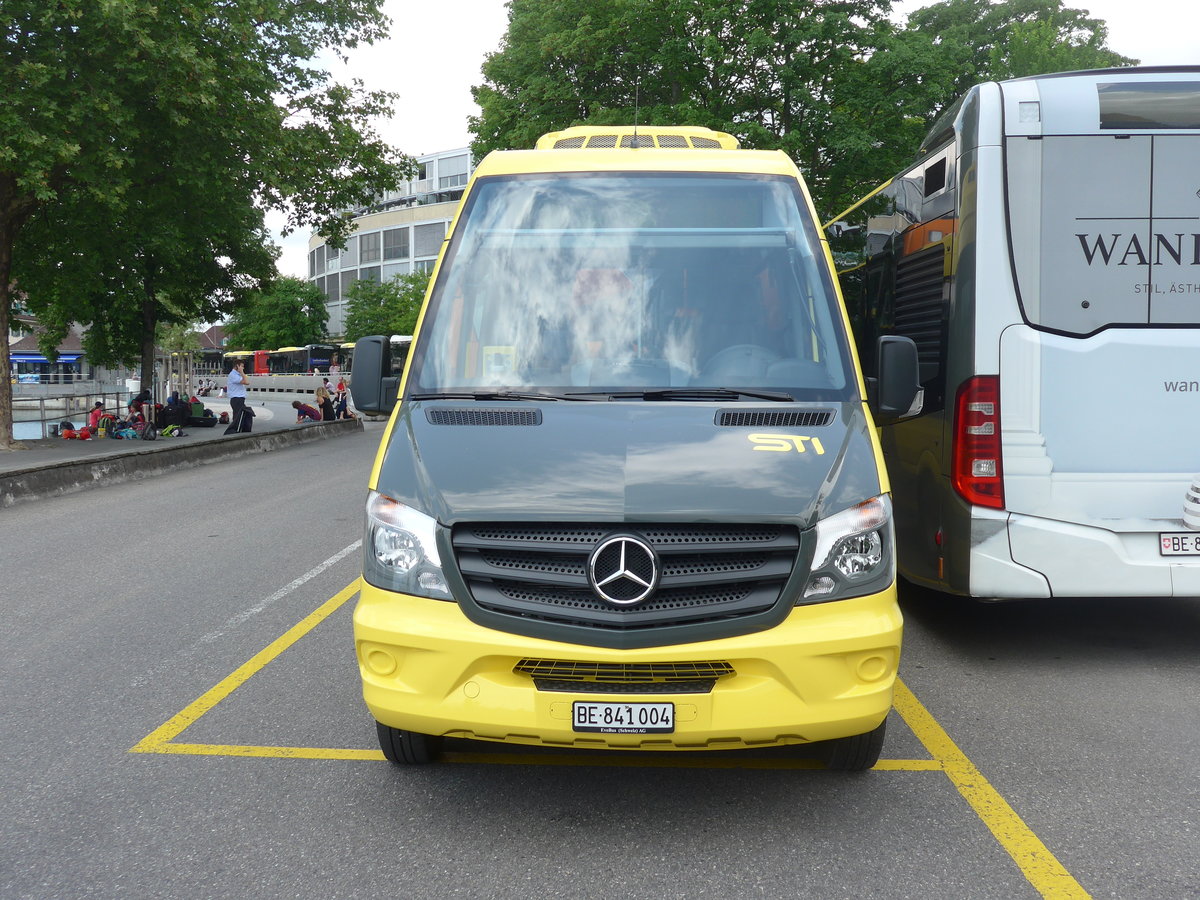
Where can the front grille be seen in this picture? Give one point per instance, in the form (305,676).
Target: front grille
(699,686)
(573,677)
(575,671)
(538,572)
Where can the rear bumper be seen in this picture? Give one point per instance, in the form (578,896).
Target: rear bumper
(826,672)
(1086,561)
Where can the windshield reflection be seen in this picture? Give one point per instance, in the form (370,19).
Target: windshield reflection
(627,280)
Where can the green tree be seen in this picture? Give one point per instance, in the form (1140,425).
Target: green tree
(389,307)
(987,41)
(166,127)
(289,313)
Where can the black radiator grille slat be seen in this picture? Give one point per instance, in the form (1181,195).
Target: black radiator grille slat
(539,571)
(699,686)
(622,673)
(568,676)
(920,301)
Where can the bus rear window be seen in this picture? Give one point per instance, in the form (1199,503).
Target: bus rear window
(1167,104)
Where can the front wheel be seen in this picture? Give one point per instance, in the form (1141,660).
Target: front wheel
(857,753)
(407,748)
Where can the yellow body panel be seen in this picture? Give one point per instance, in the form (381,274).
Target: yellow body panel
(826,672)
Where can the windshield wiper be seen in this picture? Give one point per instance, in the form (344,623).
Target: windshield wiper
(493,395)
(697,393)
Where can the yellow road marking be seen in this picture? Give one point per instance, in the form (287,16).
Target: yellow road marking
(1037,863)
(158,741)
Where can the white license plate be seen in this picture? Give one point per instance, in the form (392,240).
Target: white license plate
(1179,543)
(623,718)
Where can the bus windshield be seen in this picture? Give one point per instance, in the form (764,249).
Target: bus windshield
(631,279)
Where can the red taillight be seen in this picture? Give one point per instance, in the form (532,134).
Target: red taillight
(977,474)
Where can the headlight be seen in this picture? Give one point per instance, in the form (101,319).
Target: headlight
(400,550)
(854,555)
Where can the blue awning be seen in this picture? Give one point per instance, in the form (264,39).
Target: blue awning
(38,358)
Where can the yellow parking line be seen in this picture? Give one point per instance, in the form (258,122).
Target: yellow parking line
(158,741)
(1038,864)
(182,749)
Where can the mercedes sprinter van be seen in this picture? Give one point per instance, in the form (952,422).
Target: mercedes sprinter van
(630,495)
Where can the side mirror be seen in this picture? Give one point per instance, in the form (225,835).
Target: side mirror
(898,392)
(373,386)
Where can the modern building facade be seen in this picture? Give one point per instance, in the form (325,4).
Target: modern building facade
(400,233)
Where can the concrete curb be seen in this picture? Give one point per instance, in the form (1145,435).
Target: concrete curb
(155,458)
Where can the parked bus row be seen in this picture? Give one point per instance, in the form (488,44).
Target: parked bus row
(311,359)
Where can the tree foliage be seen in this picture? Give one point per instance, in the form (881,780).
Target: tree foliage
(141,140)
(986,41)
(836,84)
(289,313)
(390,307)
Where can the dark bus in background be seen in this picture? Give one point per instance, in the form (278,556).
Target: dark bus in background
(304,360)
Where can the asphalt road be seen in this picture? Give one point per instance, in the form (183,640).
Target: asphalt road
(1044,749)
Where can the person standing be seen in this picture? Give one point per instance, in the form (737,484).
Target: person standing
(240,417)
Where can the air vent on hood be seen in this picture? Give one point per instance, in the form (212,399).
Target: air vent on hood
(775,418)
(445,416)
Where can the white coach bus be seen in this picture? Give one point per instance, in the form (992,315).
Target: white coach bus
(1044,254)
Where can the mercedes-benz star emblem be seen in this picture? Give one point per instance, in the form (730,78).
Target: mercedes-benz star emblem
(623,570)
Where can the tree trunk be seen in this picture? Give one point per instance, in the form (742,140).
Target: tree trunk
(14,210)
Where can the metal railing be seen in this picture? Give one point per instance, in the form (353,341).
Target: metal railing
(39,417)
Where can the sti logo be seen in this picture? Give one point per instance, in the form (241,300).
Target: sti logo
(785,443)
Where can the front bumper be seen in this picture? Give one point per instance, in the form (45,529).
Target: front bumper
(826,672)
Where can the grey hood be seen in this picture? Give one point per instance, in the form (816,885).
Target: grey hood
(626,461)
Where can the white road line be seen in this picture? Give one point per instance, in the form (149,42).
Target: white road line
(246,614)
(173,662)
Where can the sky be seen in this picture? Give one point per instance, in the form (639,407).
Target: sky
(433,60)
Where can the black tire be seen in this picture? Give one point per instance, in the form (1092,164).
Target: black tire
(857,753)
(407,748)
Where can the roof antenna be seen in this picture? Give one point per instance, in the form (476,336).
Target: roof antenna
(636,85)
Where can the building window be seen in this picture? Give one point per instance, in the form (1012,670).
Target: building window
(427,239)
(368,247)
(348,278)
(423,265)
(395,243)
(452,172)
(332,294)
(394,270)
(350,254)
(369,273)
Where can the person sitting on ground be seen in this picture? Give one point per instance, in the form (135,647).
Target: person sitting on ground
(325,403)
(96,415)
(304,412)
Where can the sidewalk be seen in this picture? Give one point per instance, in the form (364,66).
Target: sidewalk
(55,466)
